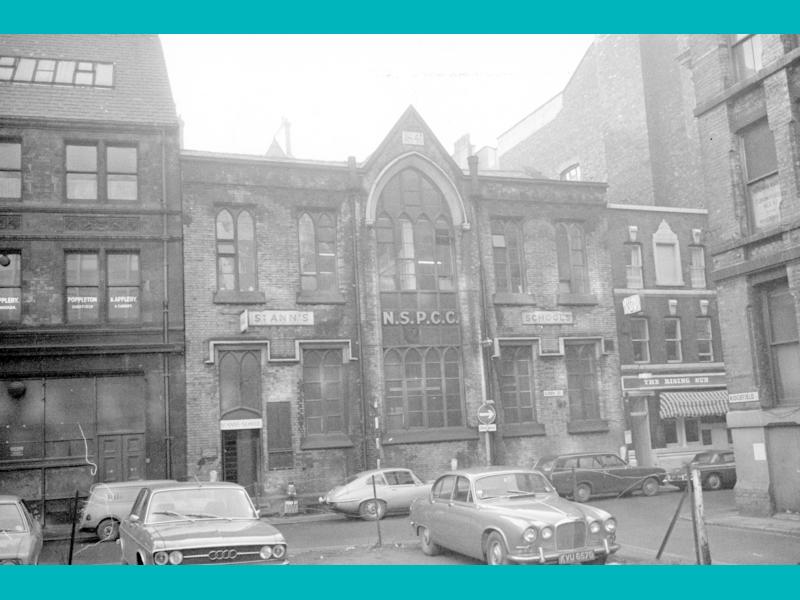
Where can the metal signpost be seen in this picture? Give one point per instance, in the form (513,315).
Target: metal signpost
(487,414)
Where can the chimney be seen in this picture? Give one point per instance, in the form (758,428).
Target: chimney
(287,136)
(461,150)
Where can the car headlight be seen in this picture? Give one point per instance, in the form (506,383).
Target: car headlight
(266,552)
(611,525)
(175,557)
(530,535)
(161,558)
(279,551)
(594,527)
(547,533)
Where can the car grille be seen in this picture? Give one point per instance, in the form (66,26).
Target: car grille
(221,556)
(571,535)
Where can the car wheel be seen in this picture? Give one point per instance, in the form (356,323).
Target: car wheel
(108,530)
(600,560)
(650,486)
(496,553)
(429,547)
(372,510)
(713,482)
(679,484)
(583,492)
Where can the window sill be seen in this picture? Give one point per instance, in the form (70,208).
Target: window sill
(511,430)
(577,299)
(329,441)
(327,297)
(513,299)
(422,436)
(588,426)
(237,297)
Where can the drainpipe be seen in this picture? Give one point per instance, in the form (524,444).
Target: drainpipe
(353,187)
(165,366)
(486,363)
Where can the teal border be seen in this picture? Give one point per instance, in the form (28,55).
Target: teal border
(406,16)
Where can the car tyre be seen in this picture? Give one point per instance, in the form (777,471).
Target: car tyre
(372,510)
(583,492)
(679,484)
(108,530)
(496,553)
(429,547)
(650,486)
(600,560)
(713,481)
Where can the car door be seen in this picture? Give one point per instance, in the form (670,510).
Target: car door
(401,489)
(592,470)
(440,522)
(464,520)
(618,476)
(37,538)
(132,536)
(561,475)
(728,467)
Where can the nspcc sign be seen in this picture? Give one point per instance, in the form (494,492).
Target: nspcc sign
(419,317)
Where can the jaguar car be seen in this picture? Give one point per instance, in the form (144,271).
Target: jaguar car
(20,534)
(507,515)
(393,491)
(210,523)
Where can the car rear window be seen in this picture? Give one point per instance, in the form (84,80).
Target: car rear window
(545,463)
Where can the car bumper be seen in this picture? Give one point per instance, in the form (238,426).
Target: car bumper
(346,506)
(552,556)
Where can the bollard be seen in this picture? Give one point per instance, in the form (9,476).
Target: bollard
(700,534)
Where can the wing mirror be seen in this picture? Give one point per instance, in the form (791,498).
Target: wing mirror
(133,518)
(258,513)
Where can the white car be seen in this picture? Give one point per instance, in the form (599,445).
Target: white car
(393,492)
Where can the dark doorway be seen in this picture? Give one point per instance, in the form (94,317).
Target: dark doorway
(240,450)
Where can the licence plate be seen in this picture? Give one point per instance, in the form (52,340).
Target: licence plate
(575,557)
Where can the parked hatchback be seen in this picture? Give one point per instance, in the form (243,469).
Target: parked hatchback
(582,476)
(717,470)
(108,504)
(20,534)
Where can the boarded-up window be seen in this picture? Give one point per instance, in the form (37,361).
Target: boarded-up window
(279,436)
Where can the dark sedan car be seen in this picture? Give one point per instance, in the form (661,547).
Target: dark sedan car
(717,470)
(588,474)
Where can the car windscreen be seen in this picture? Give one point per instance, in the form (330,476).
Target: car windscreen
(703,458)
(520,483)
(199,503)
(11,520)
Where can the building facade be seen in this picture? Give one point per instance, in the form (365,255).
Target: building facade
(345,315)
(625,117)
(748,103)
(91,276)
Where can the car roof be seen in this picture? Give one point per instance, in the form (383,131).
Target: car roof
(720,451)
(9,498)
(188,485)
(138,483)
(477,471)
(381,470)
(572,454)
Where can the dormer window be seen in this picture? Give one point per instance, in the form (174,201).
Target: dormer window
(571,173)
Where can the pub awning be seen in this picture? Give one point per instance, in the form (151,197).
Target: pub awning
(693,404)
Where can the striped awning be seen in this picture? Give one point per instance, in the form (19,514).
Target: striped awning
(693,404)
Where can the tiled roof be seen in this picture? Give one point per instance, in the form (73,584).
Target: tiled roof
(140,95)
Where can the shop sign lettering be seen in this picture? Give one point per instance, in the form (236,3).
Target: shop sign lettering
(673,381)
(547,317)
(419,317)
(269,318)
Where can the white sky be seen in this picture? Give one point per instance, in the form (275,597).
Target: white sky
(342,93)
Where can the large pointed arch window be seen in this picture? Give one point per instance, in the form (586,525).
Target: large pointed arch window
(416,276)
(240,384)
(573,275)
(236,251)
(317,240)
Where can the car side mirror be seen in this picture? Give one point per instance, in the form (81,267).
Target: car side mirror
(133,518)
(258,513)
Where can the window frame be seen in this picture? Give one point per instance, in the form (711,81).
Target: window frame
(665,236)
(512,396)
(68,172)
(645,340)
(582,408)
(108,286)
(513,259)
(769,178)
(36,66)
(677,341)
(741,44)
(707,328)
(315,217)
(109,174)
(325,402)
(103,288)
(573,276)
(239,265)
(697,268)
(634,273)
(776,381)
(571,173)
(17,170)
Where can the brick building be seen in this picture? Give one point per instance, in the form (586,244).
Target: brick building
(748,103)
(625,117)
(91,296)
(343,315)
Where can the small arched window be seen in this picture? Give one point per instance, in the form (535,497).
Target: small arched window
(239,384)
(571,173)
(317,241)
(236,251)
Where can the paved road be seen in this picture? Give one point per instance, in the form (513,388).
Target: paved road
(642,524)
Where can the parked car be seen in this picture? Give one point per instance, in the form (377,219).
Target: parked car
(20,534)
(108,504)
(394,491)
(508,515)
(588,474)
(198,523)
(717,470)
